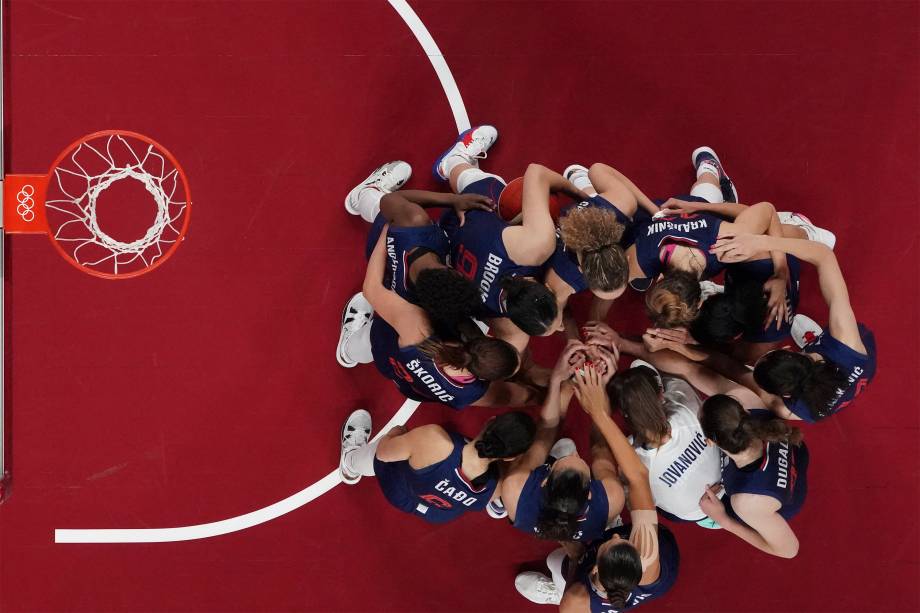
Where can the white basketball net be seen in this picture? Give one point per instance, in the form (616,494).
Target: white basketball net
(89,170)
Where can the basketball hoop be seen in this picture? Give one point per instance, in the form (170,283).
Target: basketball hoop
(89,204)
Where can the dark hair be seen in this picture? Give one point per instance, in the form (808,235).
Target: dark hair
(530,304)
(790,373)
(594,233)
(506,436)
(447,296)
(564,497)
(489,359)
(674,300)
(636,393)
(728,425)
(724,317)
(619,571)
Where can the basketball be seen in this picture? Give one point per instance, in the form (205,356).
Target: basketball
(511,199)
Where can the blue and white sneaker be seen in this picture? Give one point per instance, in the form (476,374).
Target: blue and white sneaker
(496,509)
(471,145)
(706,155)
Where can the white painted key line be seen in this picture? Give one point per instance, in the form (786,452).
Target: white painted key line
(312,492)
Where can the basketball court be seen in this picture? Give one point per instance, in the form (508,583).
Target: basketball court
(171,435)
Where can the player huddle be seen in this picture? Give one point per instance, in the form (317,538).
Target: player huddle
(509,256)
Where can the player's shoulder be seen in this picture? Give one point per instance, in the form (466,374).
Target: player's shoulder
(575,599)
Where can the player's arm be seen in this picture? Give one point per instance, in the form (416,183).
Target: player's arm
(575,599)
(509,394)
(842,320)
(409,320)
(755,219)
(604,469)
(427,444)
(504,329)
(731,210)
(763,526)
(405,208)
(635,271)
(641,199)
(534,241)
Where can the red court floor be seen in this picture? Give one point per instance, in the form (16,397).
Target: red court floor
(209,388)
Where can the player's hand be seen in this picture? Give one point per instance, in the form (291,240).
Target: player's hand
(740,247)
(589,388)
(777,306)
(655,343)
(565,365)
(675,335)
(605,362)
(597,333)
(673,206)
(471,202)
(711,505)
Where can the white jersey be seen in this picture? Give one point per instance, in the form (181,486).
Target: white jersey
(680,470)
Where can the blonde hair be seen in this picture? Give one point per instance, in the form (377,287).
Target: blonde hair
(594,234)
(674,301)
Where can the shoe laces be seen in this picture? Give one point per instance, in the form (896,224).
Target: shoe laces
(355,437)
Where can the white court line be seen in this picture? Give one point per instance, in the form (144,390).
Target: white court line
(312,492)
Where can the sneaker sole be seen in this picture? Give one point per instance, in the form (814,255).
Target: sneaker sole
(572,169)
(338,350)
(437,162)
(347,480)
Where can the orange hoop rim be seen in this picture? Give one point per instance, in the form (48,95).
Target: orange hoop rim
(186,214)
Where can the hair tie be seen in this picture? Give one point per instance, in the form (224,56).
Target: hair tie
(599,249)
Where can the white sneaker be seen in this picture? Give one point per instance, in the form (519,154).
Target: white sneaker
(708,288)
(805,330)
(636,363)
(471,146)
(537,587)
(356,431)
(563,448)
(386,179)
(814,233)
(496,509)
(356,314)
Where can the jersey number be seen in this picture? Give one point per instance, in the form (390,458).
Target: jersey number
(467,264)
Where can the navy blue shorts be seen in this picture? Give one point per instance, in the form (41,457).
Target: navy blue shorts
(490,187)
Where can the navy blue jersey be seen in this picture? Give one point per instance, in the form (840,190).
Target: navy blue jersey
(858,368)
(668,558)
(415,374)
(478,252)
(781,473)
(760,271)
(564,261)
(401,242)
(699,230)
(592,521)
(438,493)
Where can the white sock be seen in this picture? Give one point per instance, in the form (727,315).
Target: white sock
(368,204)
(471,175)
(360,460)
(708,192)
(554,563)
(358,346)
(707,167)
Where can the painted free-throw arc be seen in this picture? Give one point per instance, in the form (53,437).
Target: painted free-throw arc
(310,493)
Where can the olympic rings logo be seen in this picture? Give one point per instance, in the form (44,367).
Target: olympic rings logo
(26,202)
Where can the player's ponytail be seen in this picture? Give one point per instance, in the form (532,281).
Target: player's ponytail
(725,317)
(594,234)
(529,304)
(506,436)
(489,359)
(619,571)
(674,301)
(795,375)
(728,425)
(636,393)
(564,497)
